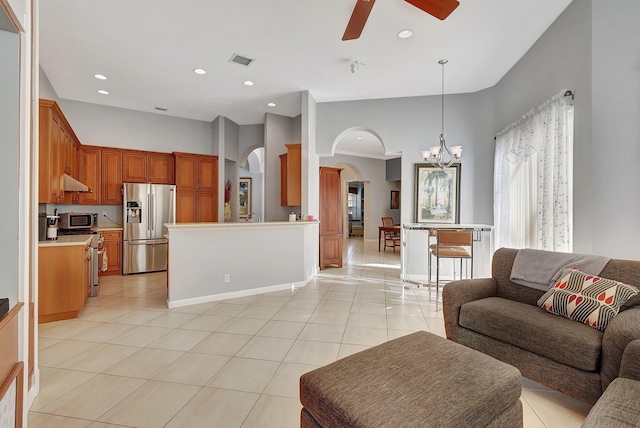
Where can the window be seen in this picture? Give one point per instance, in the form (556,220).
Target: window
(533,183)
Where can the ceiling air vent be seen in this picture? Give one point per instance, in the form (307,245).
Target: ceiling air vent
(161,108)
(242,60)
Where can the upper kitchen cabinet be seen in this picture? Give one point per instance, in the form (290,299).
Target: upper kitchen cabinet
(291,176)
(134,168)
(111,186)
(161,167)
(90,170)
(58,154)
(196,188)
(147,167)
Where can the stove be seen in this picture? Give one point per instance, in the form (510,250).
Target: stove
(96,252)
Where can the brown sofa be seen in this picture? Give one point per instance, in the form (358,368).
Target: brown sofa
(501,319)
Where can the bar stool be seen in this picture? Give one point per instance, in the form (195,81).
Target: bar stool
(451,244)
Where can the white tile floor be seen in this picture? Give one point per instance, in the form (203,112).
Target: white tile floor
(128,361)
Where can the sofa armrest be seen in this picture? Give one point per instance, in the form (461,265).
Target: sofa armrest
(457,293)
(623,329)
(630,366)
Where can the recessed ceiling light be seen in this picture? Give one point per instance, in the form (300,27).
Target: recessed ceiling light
(103,92)
(100,76)
(405,34)
(248,83)
(271,104)
(358,138)
(199,71)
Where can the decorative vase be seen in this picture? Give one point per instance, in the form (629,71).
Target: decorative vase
(227,211)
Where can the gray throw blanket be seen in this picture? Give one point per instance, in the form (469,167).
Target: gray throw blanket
(541,269)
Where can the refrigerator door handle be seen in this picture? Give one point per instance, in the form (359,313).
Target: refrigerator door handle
(151,211)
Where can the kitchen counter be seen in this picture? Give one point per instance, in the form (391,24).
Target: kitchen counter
(107,227)
(67,241)
(218,261)
(238,224)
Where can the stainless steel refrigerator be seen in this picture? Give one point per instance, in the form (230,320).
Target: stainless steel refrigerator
(146,209)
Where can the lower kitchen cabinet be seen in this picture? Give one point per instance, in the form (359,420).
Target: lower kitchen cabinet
(113,249)
(64,281)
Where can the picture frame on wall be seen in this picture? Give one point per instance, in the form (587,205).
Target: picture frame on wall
(244,195)
(395,200)
(437,194)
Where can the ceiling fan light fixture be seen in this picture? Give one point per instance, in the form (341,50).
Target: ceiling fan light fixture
(405,34)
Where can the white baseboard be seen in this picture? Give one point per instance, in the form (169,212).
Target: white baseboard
(235,294)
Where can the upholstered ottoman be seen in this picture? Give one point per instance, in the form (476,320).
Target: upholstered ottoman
(418,380)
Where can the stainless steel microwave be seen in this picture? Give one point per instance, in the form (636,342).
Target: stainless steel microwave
(78,220)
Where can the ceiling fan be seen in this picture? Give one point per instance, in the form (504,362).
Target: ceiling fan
(438,8)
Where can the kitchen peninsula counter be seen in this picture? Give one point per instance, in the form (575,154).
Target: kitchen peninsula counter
(217,261)
(67,241)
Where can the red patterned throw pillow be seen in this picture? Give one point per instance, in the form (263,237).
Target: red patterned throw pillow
(586,298)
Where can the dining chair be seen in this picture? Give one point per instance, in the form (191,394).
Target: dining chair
(391,239)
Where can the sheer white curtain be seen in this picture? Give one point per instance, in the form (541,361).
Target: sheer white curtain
(533,181)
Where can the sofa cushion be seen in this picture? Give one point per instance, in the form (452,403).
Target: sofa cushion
(535,330)
(618,407)
(585,298)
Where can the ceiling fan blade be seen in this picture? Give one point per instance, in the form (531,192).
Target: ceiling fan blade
(438,8)
(358,19)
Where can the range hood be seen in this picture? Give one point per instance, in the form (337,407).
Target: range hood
(70,184)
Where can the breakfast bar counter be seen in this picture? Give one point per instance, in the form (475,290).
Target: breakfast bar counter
(215,261)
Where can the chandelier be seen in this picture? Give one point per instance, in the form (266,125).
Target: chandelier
(442,156)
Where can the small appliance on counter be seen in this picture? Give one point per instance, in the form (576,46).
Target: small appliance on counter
(78,220)
(52,225)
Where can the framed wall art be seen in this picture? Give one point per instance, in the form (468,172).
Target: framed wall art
(437,194)
(244,193)
(395,200)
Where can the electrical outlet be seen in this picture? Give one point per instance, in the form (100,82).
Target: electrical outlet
(104,213)
(227,277)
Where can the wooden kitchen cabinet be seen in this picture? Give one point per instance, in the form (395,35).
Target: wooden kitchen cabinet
(330,217)
(58,154)
(63,281)
(113,249)
(90,173)
(291,176)
(196,188)
(111,186)
(147,167)
(134,167)
(161,168)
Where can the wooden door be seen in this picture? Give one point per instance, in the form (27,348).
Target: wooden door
(111,177)
(186,203)
(134,167)
(330,202)
(161,168)
(207,207)
(186,166)
(207,173)
(330,217)
(90,171)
